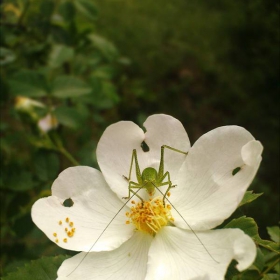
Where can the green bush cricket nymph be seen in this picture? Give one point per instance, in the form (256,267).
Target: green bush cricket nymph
(150,180)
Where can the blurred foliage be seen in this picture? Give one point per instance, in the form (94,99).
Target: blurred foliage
(208,64)
(70,68)
(58,76)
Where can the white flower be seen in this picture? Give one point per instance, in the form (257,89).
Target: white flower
(48,123)
(206,193)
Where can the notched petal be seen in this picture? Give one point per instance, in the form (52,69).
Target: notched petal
(81,207)
(244,251)
(251,153)
(217,172)
(114,150)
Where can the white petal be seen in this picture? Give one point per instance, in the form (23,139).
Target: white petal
(177,254)
(251,153)
(115,148)
(94,207)
(127,262)
(166,130)
(207,192)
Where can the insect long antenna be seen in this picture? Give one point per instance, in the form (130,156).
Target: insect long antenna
(103,232)
(188,225)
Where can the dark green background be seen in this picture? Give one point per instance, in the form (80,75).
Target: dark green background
(207,63)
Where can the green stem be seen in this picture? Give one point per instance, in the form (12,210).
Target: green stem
(60,148)
(68,155)
(268,269)
(20,20)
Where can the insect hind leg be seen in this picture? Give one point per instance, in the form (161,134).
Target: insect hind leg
(175,150)
(168,182)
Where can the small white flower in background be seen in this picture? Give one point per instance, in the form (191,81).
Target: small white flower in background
(26,104)
(206,193)
(48,123)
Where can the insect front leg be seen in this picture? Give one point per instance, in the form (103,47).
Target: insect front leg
(133,185)
(137,168)
(138,176)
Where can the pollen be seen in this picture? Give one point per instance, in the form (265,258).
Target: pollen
(150,216)
(70,233)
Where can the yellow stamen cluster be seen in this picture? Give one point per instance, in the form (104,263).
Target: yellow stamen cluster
(150,216)
(69,231)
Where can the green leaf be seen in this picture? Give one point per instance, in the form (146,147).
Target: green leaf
(274,233)
(41,269)
(232,270)
(104,46)
(271,276)
(6,56)
(247,275)
(18,180)
(270,245)
(249,226)
(67,86)
(86,8)
(124,61)
(271,257)
(104,72)
(109,91)
(249,197)
(46,9)
(277,267)
(104,94)
(43,142)
(46,165)
(67,10)
(59,55)
(259,262)
(69,117)
(28,83)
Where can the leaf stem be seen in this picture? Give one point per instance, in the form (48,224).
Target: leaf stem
(60,148)
(21,17)
(269,268)
(68,156)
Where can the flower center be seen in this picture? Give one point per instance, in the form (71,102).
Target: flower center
(150,216)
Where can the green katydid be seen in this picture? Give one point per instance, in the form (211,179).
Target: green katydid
(150,179)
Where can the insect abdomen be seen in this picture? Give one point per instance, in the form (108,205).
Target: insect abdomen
(149,177)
